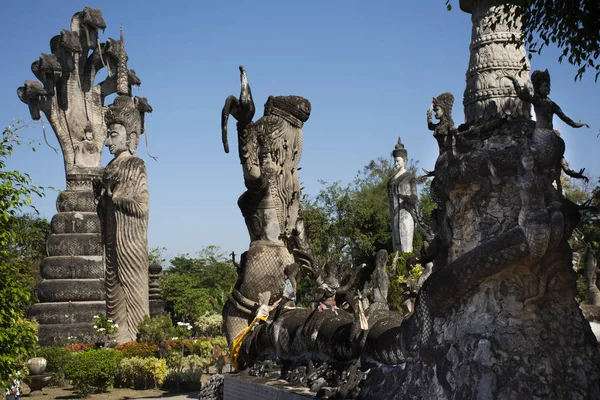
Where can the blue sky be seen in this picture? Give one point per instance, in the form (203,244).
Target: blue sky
(369,69)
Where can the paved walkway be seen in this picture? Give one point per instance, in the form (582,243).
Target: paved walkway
(178,396)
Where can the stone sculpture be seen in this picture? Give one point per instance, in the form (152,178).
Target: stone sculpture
(591,277)
(497,316)
(72,290)
(157,304)
(548,146)
(444,132)
(269,150)
(494,55)
(123,207)
(402,197)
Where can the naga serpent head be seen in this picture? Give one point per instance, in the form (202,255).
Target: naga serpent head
(242,109)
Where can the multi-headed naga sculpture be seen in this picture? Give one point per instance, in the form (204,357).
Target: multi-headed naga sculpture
(269,150)
(73,289)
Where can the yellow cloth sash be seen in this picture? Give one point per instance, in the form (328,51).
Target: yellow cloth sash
(236,344)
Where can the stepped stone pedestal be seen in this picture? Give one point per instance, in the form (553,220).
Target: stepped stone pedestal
(72,289)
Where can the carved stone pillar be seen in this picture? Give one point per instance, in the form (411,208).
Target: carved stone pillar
(493,57)
(157,304)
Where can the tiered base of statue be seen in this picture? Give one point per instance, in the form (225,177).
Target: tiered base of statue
(496,319)
(72,290)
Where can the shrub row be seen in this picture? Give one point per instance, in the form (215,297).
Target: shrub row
(141,373)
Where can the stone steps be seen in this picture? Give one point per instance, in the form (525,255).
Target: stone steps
(75,222)
(64,290)
(72,312)
(74,244)
(57,334)
(72,267)
(74,200)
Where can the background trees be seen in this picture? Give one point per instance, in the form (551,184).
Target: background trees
(17,334)
(195,286)
(349,224)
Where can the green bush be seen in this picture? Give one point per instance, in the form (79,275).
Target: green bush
(157,331)
(93,371)
(174,360)
(195,362)
(202,347)
(141,373)
(209,324)
(185,381)
(156,369)
(57,358)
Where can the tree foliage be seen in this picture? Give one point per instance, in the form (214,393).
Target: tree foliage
(195,286)
(573,26)
(17,334)
(28,248)
(349,224)
(586,237)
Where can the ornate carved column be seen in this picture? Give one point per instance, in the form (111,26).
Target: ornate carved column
(494,55)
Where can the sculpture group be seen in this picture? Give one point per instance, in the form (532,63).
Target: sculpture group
(501,278)
(495,319)
(78,281)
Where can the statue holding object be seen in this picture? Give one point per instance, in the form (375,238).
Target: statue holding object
(269,151)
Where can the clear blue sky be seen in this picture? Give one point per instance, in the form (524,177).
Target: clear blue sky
(369,69)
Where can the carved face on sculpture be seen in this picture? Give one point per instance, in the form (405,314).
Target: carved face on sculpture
(544,89)
(541,83)
(438,111)
(527,161)
(117,139)
(399,163)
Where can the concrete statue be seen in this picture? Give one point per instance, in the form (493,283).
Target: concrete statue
(402,197)
(72,289)
(269,150)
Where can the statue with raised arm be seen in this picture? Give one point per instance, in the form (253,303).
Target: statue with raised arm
(269,151)
(123,207)
(402,197)
(444,130)
(548,146)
